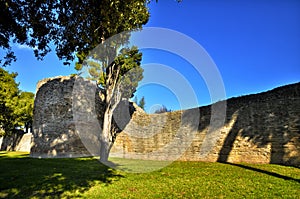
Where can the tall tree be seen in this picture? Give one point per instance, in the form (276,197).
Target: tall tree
(16,108)
(117,80)
(8,95)
(116,66)
(78,27)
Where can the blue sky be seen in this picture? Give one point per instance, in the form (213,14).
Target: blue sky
(254,44)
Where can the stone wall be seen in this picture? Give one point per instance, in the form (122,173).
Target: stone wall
(17,141)
(259,128)
(55,130)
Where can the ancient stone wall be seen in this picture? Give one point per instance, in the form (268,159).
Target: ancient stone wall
(260,128)
(17,141)
(55,129)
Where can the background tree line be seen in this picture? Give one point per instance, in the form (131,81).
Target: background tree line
(16,107)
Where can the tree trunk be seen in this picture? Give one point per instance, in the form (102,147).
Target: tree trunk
(106,141)
(111,100)
(104,151)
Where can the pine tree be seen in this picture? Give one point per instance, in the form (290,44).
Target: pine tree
(142,103)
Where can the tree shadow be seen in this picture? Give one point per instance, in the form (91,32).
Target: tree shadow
(56,178)
(269,119)
(264,172)
(227,145)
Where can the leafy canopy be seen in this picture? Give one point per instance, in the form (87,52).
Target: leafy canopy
(126,70)
(71,26)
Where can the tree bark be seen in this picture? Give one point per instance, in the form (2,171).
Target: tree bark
(111,99)
(106,137)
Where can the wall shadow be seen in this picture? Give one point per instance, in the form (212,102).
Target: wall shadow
(269,119)
(265,172)
(122,116)
(26,177)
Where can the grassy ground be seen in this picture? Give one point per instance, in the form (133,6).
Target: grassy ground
(24,177)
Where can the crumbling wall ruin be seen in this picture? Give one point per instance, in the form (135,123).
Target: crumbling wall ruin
(55,129)
(259,128)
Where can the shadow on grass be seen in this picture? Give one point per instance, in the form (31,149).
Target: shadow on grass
(264,172)
(24,177)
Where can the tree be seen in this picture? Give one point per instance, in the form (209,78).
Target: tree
(24,110)
(71,26)
(16,108)
(162,109)
(117,75)
(116,68)
(77,27)
(142,103)
(8,96)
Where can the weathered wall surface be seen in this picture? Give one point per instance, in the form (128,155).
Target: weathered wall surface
(260,128)
(55,130)
(18,141)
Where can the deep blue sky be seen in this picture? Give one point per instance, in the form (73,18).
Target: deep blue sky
(255,45)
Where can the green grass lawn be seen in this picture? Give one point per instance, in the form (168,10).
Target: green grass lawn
(25,177)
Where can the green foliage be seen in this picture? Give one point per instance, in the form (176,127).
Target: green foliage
(8,96)
(142,103)
(16,108)
(126,64)
(24,109)
(25,177)
(72,26)
(130,71)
